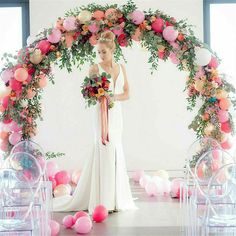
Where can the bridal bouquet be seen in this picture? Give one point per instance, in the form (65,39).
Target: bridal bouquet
(95,88)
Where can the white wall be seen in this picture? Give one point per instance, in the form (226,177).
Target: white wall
(156,120)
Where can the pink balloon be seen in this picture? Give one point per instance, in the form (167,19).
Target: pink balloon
(175,185)
(93,28)
(100,213)
(223,116)
(51,168)
(69,23)
(83,225)
(157,25)
(137,175)
(151,189)
(213,63)
(68,221)
(55,36)
(174,58)
(216,154)
(44,46)
(79,214)
(137,17)
(54,182)
(15,85)
(21,74)
(170,34)
(55,227)
(118,31)
(224,104)
(144,180)
(62,177)
(227,144)
(13,126)
(5,101)
(6,75)
(14,138)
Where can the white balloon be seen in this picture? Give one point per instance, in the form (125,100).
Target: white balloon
(203,56)
(30,40)
(144,180)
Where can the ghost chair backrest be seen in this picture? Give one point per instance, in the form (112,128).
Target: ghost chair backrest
(35,150)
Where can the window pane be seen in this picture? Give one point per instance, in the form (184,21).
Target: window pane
(223,37)
(11,28)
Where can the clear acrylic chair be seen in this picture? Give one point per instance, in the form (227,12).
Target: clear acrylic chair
(220,213)
(195,151)
(42,190)
(16,205)
(204,170)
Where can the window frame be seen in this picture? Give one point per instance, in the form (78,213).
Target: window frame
(24,4)
(207,19)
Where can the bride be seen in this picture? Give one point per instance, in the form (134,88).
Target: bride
(104,179)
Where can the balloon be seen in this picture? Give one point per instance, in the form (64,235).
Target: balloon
(162,174)
(36,57)
(137,175)
(93,27)
(137,17)
(30,93)
(175,185)
(166,186)
(69,23)
(93,40)
(55,227)
(42,81)
(21,74)
(157,25)
(14,138)
(227,144)
(151,188)
(100,213)
(13,126)
(208,129)
(224,104)
(62,177)
(84,16)
(15,85)
(225,127)
(144,180)
(30,39)
(83,225)
(3,135)
(159,183)
(173,58)
(44,46)
(213,63)
(55,36)
(4,146)
(79,214)
(111,14)
(5,101)
(118,31)
(54,182)
(75,177)
(223,116)
(170,34)
(68,221)
(98,15)
(137,35)
(51,168)
(221,94)
(199,85)
(203,56)
(6,75)
(61,190)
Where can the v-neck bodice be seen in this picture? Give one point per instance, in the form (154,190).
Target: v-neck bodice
(117,86)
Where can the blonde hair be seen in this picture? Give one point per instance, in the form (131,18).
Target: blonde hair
(108,38)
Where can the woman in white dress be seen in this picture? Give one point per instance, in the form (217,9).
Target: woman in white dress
(104,179)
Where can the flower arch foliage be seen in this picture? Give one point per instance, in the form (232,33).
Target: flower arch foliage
(71,42)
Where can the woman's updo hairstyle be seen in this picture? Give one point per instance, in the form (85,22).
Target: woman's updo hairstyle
(108,38)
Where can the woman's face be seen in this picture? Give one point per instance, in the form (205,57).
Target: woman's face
(104,52)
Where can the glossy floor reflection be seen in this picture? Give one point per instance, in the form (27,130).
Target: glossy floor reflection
(155,216)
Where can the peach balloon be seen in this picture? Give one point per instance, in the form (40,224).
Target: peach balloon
(75,176)
(221,94)
(208,129)
(2,109)
(3,135)
(98,15)
(42,81)
(30,93)
(162,174)
(199,85)
(224,104)
(137,34)
(93,40)
(61,190)
(21,74)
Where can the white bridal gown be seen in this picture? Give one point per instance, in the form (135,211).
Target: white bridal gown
(104,179)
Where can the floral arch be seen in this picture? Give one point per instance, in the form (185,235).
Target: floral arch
(71,41)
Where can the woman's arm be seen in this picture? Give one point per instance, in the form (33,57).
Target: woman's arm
(93,70)
(125,94)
